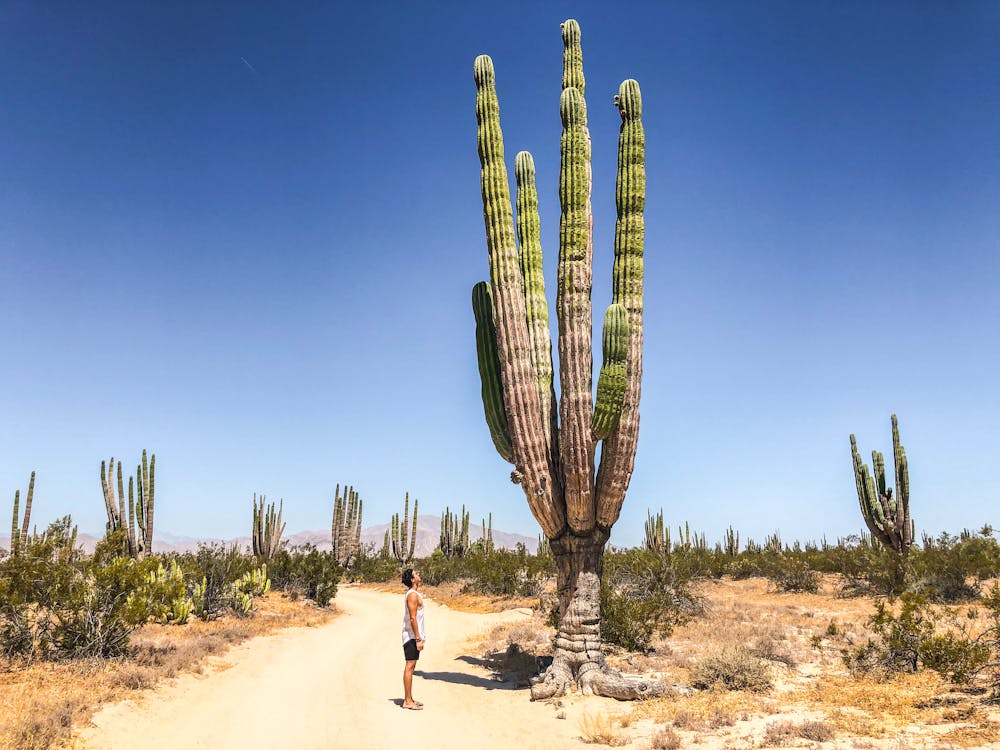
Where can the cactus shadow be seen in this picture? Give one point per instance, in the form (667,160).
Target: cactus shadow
(461,678)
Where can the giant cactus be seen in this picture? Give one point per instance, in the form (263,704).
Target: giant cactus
(403,530)
(19,531)
(138,511)
(886,516)
(267,528)
(552,446)
(345,532)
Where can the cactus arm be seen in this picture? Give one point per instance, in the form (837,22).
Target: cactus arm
(413,531)
(536,306)
(904,522)
(15,538)
(357,528)
(535,468)
(404,528)
(618,451)
(489,370)
(150,489)
(614,373)
(108,487)
(573,308)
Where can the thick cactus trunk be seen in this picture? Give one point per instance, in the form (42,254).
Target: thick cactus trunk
(578,656)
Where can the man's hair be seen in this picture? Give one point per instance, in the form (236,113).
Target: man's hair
(408,578)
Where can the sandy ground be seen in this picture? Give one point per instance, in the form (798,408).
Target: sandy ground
(340,686)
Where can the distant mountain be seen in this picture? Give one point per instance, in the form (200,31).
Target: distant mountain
(428,535)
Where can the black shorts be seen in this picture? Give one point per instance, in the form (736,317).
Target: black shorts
(410,650)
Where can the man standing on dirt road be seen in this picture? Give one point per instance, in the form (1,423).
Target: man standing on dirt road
(413,634)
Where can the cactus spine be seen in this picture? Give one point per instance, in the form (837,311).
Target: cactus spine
(454,540)
(139,508)
(267,528)
(403,530)
(554,456)
(19,532)
(886,516)
(345,532)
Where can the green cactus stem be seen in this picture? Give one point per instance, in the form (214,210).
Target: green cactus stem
(19,527)
(489,369)
(345,532)
(402,530)
(731,542)
(886,515)
(613,379)
(267,528)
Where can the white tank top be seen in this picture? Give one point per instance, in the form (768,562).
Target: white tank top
(408,634)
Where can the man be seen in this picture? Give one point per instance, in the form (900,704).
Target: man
(414,634)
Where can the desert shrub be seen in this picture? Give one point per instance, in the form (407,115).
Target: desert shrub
(733,669)
(665,739)
(784,732)
(919,636)
(505,573)
(371,567)
(644,594)
(791,573)
(952,568)
(307,571)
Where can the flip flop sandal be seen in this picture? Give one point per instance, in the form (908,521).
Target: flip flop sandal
(415,708)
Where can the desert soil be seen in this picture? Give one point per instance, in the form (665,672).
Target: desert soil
(340,686)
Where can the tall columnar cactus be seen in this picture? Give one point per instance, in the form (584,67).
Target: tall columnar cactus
(403,530)
(886,516)
(454,541)
(551,445)
(731,542)
(138,510)
(487,538)
(345,533)
(18,527)
(267,528)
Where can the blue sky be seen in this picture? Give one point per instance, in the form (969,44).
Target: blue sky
(243,236)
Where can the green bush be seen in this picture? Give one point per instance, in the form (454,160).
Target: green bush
(644,593)
(789,572)
(214,568)
(306,571)
(505,573)
(370,567)
(920,636)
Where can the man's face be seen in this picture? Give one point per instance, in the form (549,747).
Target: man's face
(416,576)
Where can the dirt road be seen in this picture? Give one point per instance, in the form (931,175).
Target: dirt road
(340,686)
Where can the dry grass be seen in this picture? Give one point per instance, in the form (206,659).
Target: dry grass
(665,739)
(599,729)
(40,703)
(785,732)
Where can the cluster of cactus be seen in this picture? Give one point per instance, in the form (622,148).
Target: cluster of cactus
(487,538)
(454,541)
(164,592)
(251,584)
(403,530)
(657,536)
(731,542)
(887,516)
(267,528)
(19,530)
(345,533)
(543,549)
(139,508)
(773,543)
(199,600)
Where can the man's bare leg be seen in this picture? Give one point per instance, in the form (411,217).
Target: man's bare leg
(408,701)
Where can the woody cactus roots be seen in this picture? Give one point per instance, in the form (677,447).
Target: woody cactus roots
(345,533)
(267,528)
(553,446)
(404,529)
(19,531)
(887,516)
(138,511)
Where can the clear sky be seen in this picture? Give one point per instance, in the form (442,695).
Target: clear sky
(243,236)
